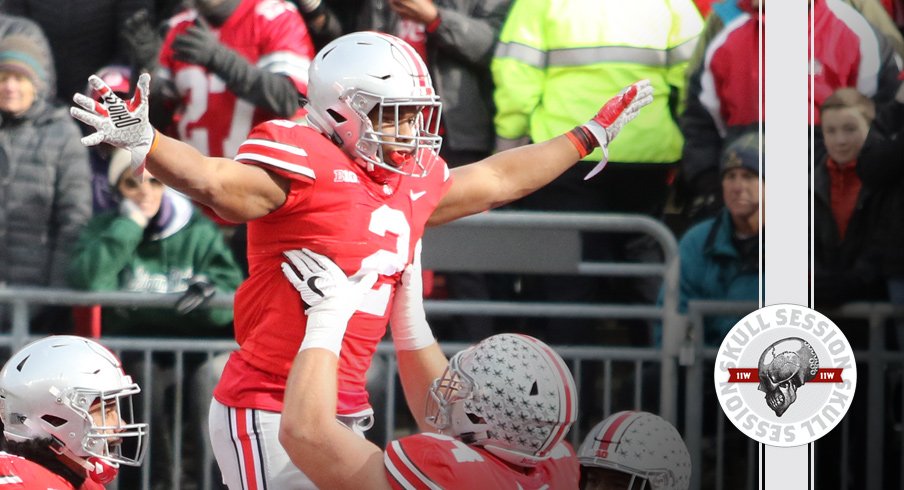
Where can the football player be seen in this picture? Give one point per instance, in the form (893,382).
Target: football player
(359,184)
(66,408)
(634,451)
(500,409)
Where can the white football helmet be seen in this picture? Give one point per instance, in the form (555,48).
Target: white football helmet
(366,71)
(47,391)
(641,444)
(511,394)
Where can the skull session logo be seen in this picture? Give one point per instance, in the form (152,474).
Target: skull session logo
(785,375)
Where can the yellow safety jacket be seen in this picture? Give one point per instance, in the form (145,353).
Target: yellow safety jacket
(558,61)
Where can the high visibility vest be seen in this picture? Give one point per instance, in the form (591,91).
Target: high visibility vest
(559,61)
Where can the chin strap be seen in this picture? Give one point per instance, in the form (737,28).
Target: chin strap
(97,469)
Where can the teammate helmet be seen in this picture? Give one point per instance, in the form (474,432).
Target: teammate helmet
(641,444)
(47,391)
(511,394)
(369,71)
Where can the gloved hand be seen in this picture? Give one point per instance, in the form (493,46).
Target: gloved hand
(142,43)
(129,209)
(199,292)
(408,320)
(198,46)
(329,297)
(611,118)
(118,123)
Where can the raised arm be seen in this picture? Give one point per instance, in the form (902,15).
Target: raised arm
(235,191)
(420,359)
(513,174)
(330,454)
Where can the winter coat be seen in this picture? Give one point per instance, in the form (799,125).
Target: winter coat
(45,195)
(458,56)
(849,269)
(879,167)
(712,268)
(115,254)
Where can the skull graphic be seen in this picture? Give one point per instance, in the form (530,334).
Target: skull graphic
(784,367)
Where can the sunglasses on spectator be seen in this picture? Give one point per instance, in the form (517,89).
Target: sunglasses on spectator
(132,183)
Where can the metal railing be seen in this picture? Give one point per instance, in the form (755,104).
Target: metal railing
(465,245)
(874,361)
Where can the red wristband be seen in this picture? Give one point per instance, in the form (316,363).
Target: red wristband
(434,24)
(581,138)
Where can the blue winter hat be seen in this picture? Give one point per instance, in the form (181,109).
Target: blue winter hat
(19,54)
(744,152)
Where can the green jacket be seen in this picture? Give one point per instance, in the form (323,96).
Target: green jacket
(558,61)
(113,253)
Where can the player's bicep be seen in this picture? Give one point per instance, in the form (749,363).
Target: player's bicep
(475,188)
(247,191)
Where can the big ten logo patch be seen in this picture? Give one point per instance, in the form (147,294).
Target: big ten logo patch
(785,375)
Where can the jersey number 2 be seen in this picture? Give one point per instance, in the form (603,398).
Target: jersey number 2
(382,221)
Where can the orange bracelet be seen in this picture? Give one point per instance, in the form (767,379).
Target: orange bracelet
(154,143)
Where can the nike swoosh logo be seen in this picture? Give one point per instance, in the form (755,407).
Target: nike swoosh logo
(313,286)
(417,195)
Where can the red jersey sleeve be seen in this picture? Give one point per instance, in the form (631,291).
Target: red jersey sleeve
(287,48)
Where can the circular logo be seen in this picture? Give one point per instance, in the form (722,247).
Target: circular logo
(785,375)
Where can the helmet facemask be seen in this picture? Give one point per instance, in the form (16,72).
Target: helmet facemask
(385,147)
(509,394)
(113,436)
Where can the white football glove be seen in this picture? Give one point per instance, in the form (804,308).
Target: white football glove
(330,298)
(613,116)
(119,123)
(408,320)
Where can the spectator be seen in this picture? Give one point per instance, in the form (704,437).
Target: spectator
(720,255)
(877,166)
(226,66)
(155,242)
(722,100)
(362,182)
(482,440)
(634,450)
(554,60)
(845,212)
(63,397)
(45,184)
(11,25)
(84,36)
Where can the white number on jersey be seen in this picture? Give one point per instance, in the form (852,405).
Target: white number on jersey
(382,221)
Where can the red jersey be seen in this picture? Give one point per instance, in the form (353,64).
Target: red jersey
(333,208)
(271,35)
(17,472)
(427,461)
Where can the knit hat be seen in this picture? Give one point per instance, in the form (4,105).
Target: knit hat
(120,161)
(117,77)
(743,151)
(19,54)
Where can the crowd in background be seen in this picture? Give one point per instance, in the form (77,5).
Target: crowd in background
(509,72)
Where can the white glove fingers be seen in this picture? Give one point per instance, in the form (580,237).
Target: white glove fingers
(86,102)
(99,86)
(299,261)
(291,275)
(93,139)
(86,117)
(141,91)
(323,263)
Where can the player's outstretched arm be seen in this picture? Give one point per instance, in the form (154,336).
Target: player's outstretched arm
(236,192)
(330,454)
(419,356)
(513,174)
